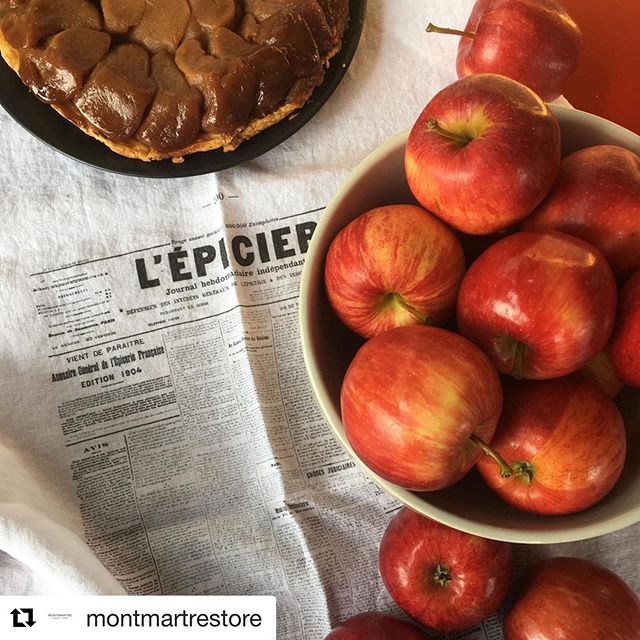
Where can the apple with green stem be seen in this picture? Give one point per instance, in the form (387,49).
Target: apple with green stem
(443,578)
(564,441)
(540,305)
(535,42)
(417,404)
(393,266)
(483,153)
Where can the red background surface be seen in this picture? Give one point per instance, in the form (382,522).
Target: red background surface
(607,80)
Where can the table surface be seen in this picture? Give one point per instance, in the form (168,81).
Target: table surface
(606,81)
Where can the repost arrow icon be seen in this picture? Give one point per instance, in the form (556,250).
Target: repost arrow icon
(30,620)
(16,615)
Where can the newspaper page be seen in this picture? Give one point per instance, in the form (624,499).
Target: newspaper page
(200,460)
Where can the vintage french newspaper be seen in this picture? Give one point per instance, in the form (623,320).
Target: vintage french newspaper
(174,382)
(200,460)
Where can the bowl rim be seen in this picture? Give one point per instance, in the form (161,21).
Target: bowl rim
(408,498)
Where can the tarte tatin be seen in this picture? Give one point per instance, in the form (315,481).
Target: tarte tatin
(156,79)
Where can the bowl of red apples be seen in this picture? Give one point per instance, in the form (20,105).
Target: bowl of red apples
(470,316)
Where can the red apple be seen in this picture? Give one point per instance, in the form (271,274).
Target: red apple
(597,198)
(445,579)
(417,402)
(540,305)
(625,343)
(600,371)
(565,442)
(393,266)
(483,153)
(535,42)
(574,599)
(375,626)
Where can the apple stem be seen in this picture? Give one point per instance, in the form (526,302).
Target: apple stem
(518,360)
(432,123)
(442,575)
(505,470)
(431,28)
(524,470)
(422,317)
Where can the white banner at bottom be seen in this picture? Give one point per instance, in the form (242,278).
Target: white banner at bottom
(125,617)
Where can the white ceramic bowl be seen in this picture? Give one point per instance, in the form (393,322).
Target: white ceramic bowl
(329,347)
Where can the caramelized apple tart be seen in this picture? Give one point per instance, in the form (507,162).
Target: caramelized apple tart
(156,79)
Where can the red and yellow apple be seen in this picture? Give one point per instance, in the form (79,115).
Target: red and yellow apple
(565,442)
(541,305)
(443,578)
(535,42)
(573,599)
(597,198)
(483,153)
(625,342)
(417,402)
(374,625)
(393,266)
